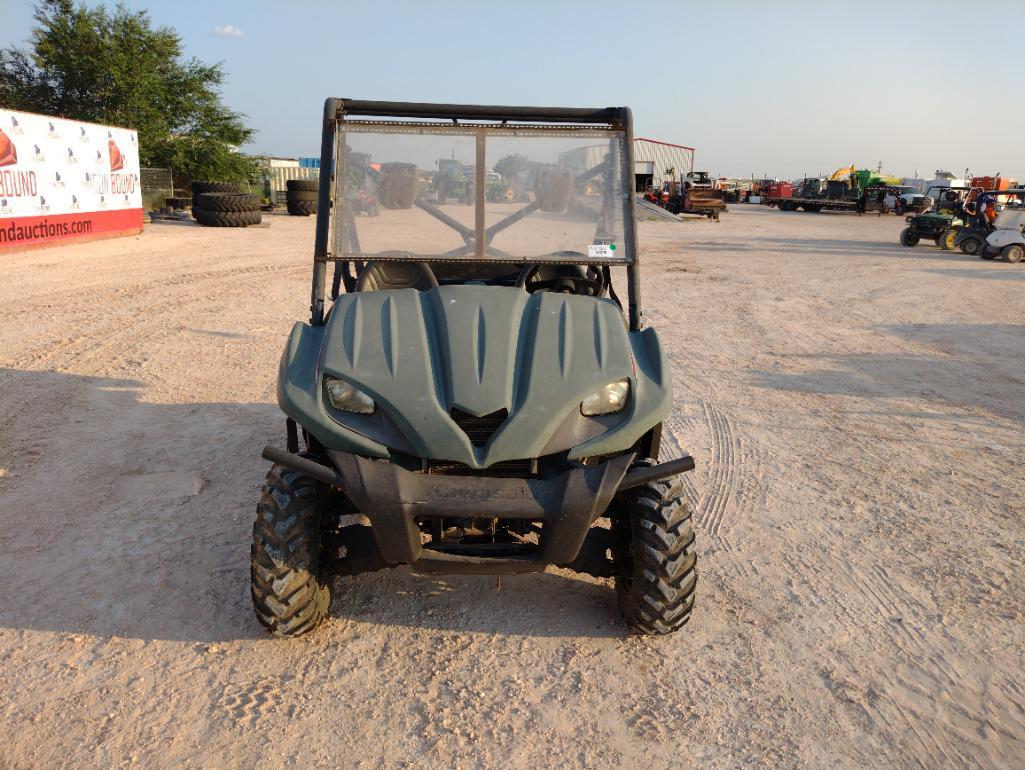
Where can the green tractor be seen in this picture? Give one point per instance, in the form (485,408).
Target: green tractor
(941,223)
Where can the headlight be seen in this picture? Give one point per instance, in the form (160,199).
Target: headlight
(608,400)
(347,397)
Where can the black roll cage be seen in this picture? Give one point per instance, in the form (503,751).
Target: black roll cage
(335,110)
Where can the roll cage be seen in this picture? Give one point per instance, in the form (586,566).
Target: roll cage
(336,239)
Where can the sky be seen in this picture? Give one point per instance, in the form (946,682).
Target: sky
(779,89)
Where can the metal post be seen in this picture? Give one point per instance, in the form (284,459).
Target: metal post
(320,249)
(633,274)
(480,195)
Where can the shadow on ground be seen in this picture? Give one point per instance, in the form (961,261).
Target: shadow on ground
(975,366)
(128,518)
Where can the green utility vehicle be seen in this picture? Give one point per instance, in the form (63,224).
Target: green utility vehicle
(941,223)
(470,394)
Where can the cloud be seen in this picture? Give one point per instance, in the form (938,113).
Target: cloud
(227,30)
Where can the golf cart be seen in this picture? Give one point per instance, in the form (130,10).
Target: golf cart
(1007,238)
(972,239)
(941,224)
(470,394)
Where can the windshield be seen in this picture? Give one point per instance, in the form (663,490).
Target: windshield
(547,193)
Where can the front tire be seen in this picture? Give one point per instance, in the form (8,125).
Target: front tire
(1014,253)
(908,237)
(655,557)
(971,247)
(290,589)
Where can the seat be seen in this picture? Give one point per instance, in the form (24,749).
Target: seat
(377,275)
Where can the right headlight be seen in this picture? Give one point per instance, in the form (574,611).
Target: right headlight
(347,397)
(607,400)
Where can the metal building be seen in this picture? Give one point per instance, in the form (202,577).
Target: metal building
(654,161)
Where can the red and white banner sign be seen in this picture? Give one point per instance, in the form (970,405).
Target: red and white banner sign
(64,180)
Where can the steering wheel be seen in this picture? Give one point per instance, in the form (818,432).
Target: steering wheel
(590,284)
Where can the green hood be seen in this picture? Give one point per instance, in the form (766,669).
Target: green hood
(433,361)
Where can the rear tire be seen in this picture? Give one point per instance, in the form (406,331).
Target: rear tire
(1014,253)
(971,247)
(945,240)
(908,237)
(290,589)
(655,557)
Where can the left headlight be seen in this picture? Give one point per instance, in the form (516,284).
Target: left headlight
(347,397)
(607,400)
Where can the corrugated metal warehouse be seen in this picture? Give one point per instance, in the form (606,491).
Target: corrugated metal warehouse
(654,161)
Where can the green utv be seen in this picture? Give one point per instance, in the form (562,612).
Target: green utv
(471,396)
(941,223)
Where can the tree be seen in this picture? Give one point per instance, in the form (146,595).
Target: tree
(116,68)
(511,166)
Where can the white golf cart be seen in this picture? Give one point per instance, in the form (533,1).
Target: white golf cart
(1008,237)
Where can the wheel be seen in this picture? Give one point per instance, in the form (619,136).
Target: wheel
(900,206)
(970,246)
(908,237)
(227,202)
(226,218)
(655,558)
(213,187)
(1014,253)
(302,185)
(177,204)
(945,240)
(290,591)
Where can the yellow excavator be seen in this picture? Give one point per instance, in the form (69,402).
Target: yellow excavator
(843,173)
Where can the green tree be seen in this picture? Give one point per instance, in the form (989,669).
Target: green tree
(114,67)
(511,166)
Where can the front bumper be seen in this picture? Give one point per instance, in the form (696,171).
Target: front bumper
(394,498)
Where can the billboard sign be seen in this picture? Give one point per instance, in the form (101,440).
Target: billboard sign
(65,180)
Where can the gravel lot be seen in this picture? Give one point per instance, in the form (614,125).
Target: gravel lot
(856,411)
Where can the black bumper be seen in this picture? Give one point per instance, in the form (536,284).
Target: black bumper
(393,498)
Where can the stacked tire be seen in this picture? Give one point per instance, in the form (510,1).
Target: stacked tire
(222,204)
(301,197)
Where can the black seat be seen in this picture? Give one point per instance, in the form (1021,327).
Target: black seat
(377,275)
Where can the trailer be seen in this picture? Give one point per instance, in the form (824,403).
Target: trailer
(871,203)
(814,195)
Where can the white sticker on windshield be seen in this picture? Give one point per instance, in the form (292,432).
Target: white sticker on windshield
(602,250)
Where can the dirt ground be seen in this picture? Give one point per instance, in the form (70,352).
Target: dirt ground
(856,411)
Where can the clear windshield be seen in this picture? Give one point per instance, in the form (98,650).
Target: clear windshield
(541,194)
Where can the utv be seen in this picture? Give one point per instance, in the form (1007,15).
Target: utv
(470,395)
(939,225)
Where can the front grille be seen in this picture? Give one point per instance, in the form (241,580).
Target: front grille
(511,469)
(479,429)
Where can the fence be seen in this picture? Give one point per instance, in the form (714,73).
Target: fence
(157,184)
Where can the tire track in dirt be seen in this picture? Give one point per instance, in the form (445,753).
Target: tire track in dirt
(156,314)
(731,489)
(248,705)
(114,338)
(673,429)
